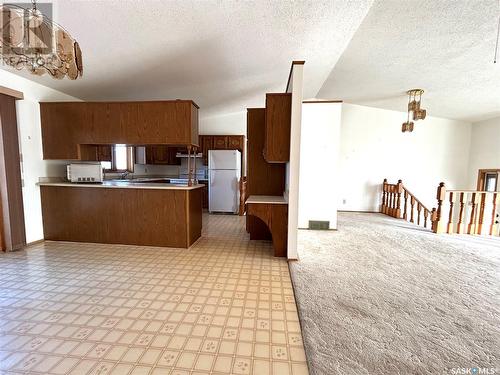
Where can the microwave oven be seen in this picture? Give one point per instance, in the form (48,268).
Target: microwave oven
(84,172)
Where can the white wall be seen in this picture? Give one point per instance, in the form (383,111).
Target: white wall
(30,139)
(373,148)
(319,154)
(293,167)
(230,123)
(485,148)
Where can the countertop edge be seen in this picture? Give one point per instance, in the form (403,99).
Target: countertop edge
(152,186)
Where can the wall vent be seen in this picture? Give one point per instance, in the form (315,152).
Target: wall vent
(319,225)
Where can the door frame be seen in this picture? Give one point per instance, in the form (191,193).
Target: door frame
(12,221)
(481,176)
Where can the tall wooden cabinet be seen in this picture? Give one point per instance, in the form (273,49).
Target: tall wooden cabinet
(278,124)
(263,178)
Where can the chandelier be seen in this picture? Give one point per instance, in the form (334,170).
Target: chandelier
(30,40)
(418,113)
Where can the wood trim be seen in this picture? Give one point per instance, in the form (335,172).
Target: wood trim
(13,224)
(18,95)
(322,101)
(121,101)
(481,175)
(295,62)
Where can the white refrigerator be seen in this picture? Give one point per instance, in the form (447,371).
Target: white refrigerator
(224,172)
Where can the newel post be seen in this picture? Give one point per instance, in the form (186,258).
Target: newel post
(384,196)
(399,190)
(438,224)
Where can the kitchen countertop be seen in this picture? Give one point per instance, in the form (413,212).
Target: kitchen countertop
(267,199)
(124,185)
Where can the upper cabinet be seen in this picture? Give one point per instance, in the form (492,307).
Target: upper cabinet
(278,124)
(221,142)
(67,125)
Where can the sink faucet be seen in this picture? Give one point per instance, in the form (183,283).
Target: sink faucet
(124,175)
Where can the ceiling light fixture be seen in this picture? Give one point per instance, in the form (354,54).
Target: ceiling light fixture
(418,113)
(31,40)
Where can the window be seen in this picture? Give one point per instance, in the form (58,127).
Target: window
(122,159)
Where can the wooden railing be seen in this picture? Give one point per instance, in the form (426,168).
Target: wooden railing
(467,211)
(399,202)
(458,211)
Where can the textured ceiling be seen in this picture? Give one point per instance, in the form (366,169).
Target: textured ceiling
(223,54)
(443,46)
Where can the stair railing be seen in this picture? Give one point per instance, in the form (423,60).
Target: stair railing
(458,211)
(467,212)
(401,203)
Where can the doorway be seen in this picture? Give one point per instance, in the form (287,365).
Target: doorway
(12,225)
(487,180)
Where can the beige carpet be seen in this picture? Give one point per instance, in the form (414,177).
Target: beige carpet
(381,296)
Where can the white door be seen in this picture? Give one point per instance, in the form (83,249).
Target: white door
(223,191)
(224,159)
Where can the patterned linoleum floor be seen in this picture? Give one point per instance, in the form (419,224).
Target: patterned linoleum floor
(225,306)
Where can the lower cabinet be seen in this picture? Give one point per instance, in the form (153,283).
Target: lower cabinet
(204,195)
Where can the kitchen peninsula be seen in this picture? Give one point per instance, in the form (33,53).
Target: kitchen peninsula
(130,212)
(146,214)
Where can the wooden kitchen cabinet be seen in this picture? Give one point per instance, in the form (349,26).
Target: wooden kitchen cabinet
(263,178)
(163,155)
(236,142)
(66,125)
(61,126)
(220,142)
(96,152)
(278,124)
(206,144)
(204,196)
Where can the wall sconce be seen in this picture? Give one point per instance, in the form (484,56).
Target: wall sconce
(418,113)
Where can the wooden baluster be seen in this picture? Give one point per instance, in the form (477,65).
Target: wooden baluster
(384,197)
(419,210)
(426,214)
(391,200)
(399,190)
(494,225)
(481,213)
(472,220)
(190,175)
(433,218)
(405,214)
(449,228)
(461,217)
(412,202)
(437,225)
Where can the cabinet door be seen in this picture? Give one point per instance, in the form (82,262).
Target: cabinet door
(235,142)
(205,196)
(220,142)
(208,144)
(172,156)
(162,155)
(278,123)
(88,153)
(104,153)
